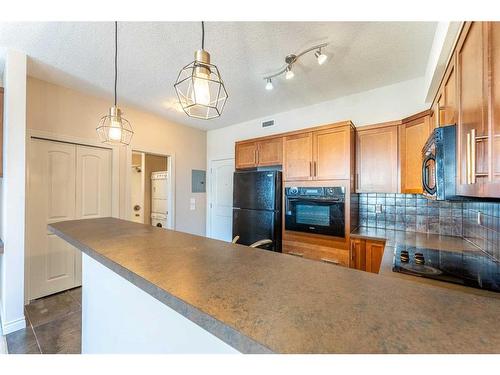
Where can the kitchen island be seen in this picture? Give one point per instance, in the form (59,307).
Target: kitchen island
(221,297)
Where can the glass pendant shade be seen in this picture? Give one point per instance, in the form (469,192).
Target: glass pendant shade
(113,129)
(200,88)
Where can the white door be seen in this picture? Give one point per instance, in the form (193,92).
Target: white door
(66,182)
(221,201)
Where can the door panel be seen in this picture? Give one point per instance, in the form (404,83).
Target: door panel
(298,157)
(221,206)
(51,199)
(377,160)
(331,154)
(93,182)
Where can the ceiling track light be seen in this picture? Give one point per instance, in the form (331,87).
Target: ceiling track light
(292,59)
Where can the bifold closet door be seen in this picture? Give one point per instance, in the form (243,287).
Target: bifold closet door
(52,192)
(66,182)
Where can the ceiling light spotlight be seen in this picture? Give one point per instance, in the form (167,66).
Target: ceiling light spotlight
(291,59)
(320,56)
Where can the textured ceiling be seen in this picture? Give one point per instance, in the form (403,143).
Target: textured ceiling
(362,56)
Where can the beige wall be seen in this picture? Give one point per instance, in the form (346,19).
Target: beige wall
(66,112)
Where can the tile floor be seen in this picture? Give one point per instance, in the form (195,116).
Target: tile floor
(53,326)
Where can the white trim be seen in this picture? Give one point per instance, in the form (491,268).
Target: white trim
(13,325)
(171,171)
(208,226)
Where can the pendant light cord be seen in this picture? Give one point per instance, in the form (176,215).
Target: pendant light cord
(116,56)
(202,35)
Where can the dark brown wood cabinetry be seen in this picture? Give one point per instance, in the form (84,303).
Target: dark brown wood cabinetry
(366,254)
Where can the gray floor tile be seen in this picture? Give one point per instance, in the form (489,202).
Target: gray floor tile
(50,308)
(62,335)
(22,342)
(76,293)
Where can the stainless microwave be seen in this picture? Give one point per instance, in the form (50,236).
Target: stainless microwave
(319,210)
(439,164)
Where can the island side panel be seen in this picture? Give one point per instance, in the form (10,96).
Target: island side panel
(118,317)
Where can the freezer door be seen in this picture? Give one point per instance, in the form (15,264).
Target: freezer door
(256,225)
(257,190)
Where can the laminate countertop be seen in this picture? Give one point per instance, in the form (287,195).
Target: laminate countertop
(394,238)
(264,302)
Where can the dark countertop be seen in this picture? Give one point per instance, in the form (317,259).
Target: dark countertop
(394,238)
(259,301)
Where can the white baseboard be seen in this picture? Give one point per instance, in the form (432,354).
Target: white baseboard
(13,325)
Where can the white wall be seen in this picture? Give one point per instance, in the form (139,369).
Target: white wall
(369,107)
(13,193)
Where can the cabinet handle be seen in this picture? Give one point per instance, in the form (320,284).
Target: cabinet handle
(473,155)
(315,169)
(330,261)
(310,169)
(356,182)
(255,156)
(296,254)
(468,159)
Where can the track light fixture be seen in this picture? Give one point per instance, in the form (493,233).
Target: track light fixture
(292,59)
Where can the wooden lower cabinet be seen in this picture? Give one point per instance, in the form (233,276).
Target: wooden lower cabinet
(316,248)
(366,255)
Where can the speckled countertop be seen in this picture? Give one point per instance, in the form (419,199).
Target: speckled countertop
(259,301)
(395,238)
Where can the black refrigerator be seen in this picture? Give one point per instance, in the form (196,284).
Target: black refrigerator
(257,207)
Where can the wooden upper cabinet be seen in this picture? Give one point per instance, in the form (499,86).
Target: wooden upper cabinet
(331,154)
(413,133)
(472,114)
(270,152)
(246,155)
(377,159)
(298,157)
(449,115)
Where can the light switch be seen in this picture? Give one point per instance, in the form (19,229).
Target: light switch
(378,208)
(192,204)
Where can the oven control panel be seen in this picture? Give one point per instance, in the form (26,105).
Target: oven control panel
(319,192)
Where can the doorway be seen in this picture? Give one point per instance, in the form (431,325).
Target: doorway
(151,190)
(221,199)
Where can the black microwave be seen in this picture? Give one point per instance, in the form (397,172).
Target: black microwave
(318,210)
(439,164)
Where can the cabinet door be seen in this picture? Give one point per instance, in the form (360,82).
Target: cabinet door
(472,128)
(448,117)
(331,154)
(492,186)
(270,152)
(412,138)
(377,160)
(358,255)
(298,157)
(1,131)
(374,253)
(246,155)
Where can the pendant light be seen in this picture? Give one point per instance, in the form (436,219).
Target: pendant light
(199,86)
(113,128)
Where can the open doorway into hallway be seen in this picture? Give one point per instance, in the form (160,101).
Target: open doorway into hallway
(151,190)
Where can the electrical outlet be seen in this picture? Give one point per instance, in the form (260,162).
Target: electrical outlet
(479,217)
(192,204)
(378,208)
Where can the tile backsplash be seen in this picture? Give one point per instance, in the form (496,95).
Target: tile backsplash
(414,213)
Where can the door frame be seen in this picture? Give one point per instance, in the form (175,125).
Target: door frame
(209,190)
(52,137)
(171,180)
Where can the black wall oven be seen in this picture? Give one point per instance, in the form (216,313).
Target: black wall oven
(318,210)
